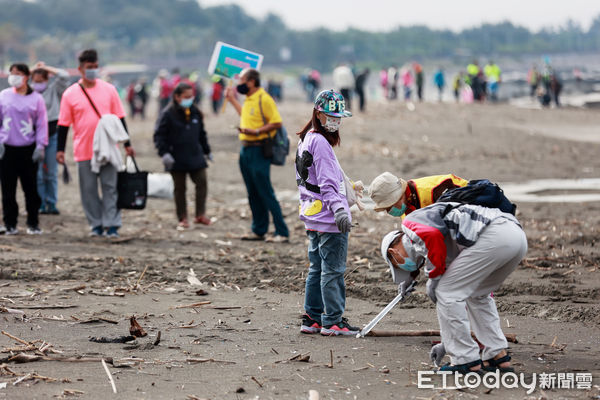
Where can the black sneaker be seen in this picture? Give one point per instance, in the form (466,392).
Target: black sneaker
(97,231)
(340,328)
(310,325)
(52,210)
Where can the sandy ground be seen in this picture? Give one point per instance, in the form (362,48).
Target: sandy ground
(239,346)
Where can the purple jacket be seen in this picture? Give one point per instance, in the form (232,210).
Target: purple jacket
(317,165)
(23,119)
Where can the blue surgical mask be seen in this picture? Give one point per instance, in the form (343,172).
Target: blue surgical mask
(92,74)
(397,212)
(187,103)
(409,265)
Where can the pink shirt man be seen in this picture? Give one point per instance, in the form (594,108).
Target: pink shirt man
(76,110)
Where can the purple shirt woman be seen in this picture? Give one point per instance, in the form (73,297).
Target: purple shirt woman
(326,216)
(23,137)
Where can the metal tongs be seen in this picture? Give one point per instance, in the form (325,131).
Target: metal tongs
(384,312)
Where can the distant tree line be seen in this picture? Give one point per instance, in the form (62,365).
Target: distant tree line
(165,32)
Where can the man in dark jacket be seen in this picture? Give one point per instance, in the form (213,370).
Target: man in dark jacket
(182,144)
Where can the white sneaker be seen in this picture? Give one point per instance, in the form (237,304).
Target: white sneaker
(12,230)
(2,229)
(34,230)
(277,239)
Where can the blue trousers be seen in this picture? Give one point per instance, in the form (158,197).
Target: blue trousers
(325,295)
(256,171)
(47,177)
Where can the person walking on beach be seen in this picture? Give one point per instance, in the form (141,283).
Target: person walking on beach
(456,85)
(326,215)
(419,80)
(343,80)
(82,106)
(466,252)
(51,91)
(360,88)
(533,78)
(493,78)
(407,81)
(259,120)
(182,144)
(440,82)
(23,138)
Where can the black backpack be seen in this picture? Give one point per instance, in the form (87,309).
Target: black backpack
(480,192)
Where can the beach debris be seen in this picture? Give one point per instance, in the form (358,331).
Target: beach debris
(135,329)
(257,382)
(193,305)
(192,279)
(205,360)
(110,378)
(118,339)
(298,357)
(313,395)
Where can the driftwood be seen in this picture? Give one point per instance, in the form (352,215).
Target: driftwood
(45,307)
(205,360)
(25,358)
(194,305)
(511,337)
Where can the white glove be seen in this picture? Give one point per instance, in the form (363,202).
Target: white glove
(1,150)
(38,154)
(437,353)
(210,157)
(431,285)
(168,161)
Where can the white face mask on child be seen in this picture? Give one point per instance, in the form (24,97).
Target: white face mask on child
(332,124)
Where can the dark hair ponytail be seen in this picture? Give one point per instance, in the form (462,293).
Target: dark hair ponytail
(333,138)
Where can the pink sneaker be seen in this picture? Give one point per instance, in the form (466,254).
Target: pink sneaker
(341,328)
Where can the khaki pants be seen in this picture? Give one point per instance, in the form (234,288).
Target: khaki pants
(179,179)
(463,293)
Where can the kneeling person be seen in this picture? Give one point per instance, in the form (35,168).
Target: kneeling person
(467,252)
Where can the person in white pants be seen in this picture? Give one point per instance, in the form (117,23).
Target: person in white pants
(467,252)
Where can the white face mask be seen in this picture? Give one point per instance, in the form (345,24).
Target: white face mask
(15,80)
(332,124)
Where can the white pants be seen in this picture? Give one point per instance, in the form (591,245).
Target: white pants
(463,293)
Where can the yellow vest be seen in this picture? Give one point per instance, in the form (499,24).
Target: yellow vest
(430,188)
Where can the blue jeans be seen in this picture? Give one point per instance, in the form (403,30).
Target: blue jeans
(256,171)
(325,295)
(47,177)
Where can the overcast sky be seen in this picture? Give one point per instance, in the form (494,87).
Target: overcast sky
(387,14)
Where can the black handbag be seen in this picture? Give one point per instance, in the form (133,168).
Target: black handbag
(132,188)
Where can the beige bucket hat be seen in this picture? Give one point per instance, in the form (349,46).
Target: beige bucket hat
(386,190)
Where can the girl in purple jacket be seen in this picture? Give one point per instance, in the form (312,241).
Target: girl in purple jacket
(326,215)
(23,138)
